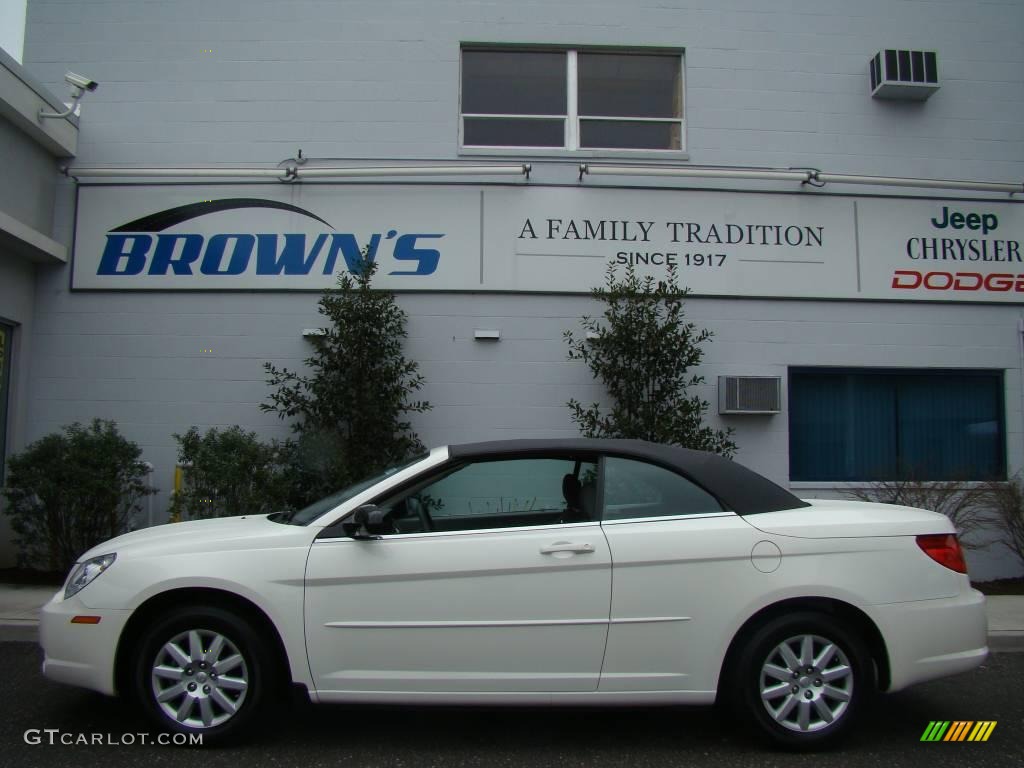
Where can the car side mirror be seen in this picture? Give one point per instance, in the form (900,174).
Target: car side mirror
(366,523)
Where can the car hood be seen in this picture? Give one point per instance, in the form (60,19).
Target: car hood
(217,534)
(826,518)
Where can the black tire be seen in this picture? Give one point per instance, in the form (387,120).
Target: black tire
(816,708)
(218,689)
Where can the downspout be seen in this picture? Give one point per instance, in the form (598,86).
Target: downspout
(1020,345)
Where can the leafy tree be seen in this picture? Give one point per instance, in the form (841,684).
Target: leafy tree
(72,490)
(351,409)
(231,472)
(643,351)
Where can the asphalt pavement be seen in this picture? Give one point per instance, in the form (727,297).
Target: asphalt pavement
(46,724)
(37,715)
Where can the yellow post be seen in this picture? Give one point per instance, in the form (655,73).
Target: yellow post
(179,480)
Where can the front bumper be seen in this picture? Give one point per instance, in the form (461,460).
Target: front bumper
(80,654)
(928,639)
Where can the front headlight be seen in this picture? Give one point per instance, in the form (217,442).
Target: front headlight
(83,573)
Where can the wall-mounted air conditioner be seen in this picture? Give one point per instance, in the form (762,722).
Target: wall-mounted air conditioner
(902,74)
(749,394)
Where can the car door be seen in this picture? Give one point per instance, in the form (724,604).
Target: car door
(488,579)
(682,574)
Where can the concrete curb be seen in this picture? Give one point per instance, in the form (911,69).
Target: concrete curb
(1006,642)
(19,633)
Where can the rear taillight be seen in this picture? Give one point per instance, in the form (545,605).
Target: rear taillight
(944,549)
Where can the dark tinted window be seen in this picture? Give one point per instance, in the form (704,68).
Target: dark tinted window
(636,489)
(572,99)
(500,494)
(513,132)
(629,85)
(623,134)
(886,425)
(513,82)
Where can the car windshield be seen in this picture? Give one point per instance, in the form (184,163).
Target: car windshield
(308,514)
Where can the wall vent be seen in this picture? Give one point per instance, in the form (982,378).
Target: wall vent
(749,394)
(901,74)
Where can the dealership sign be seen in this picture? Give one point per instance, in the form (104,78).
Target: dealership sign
(145,247)
(545,239)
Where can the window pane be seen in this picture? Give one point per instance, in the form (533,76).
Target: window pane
(950,427)
(615,134)
(310,513)
(512,132)
(5,378)
(842,427)
(636,489)
(503,494)
(513,83)
(629,85)
(925,425)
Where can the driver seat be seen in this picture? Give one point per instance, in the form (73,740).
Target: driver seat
(572,491)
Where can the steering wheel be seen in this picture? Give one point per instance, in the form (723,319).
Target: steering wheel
(414,506)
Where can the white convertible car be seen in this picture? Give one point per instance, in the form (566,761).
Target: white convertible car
(528,572)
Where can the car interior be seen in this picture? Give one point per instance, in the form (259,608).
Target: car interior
(509,494)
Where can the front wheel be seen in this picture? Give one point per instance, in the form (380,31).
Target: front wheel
(202,670)
(802,679)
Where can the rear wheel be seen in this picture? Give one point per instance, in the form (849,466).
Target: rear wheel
(203,670)
(802,679)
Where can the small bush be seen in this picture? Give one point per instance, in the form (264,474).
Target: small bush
(1006,500)
(231,472)
(69,491)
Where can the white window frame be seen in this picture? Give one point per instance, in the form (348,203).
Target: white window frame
(572,118)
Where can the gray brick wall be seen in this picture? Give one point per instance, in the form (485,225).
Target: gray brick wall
(139,358)
(380,79)
(29,184)
(201,82)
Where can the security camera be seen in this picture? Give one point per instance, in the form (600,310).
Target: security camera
(79,85)
(77,81)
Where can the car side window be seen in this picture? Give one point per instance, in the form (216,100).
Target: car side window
(636,489)
(508,493)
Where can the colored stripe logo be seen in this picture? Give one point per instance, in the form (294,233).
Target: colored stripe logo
(958,730)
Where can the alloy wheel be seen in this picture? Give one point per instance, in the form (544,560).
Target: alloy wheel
(806,683)
(199,678)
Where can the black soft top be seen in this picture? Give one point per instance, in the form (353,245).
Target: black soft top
(739,489)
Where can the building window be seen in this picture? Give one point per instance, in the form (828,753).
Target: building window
(570,99)
(884,425)
(5,387)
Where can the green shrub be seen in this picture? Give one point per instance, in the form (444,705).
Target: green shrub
(231,472)
(351,409)
(69,491)
(643,350)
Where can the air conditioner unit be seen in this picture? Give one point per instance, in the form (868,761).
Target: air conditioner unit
(749,394)
(902,74)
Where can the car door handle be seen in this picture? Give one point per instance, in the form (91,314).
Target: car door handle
(566,546)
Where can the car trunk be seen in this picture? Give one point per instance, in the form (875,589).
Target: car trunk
(827,518)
